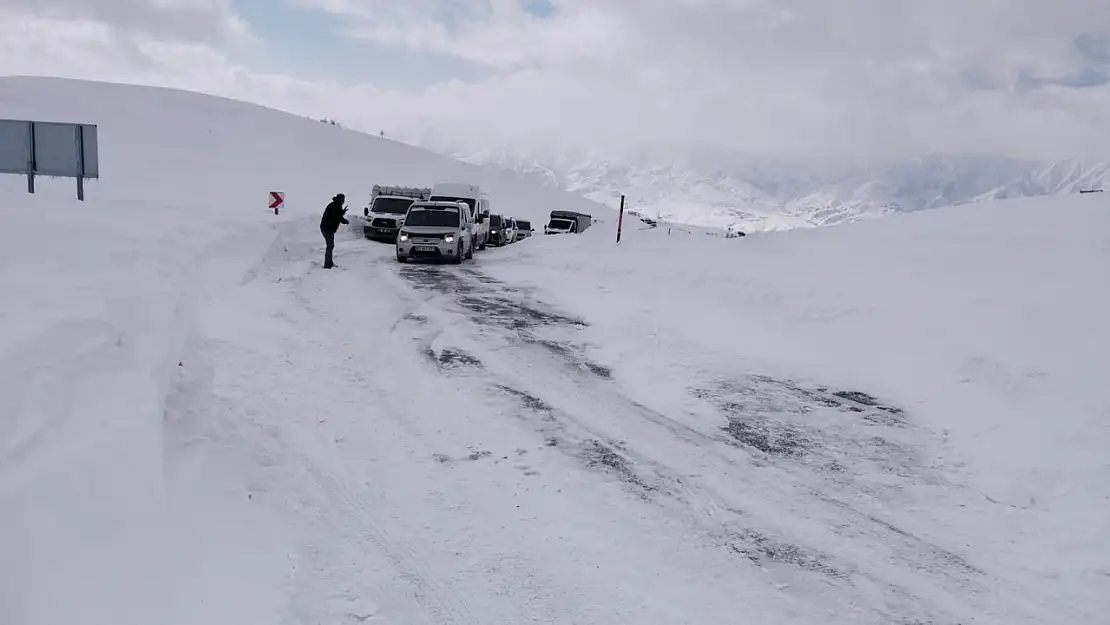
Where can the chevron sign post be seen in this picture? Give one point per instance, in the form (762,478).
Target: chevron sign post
(277,198)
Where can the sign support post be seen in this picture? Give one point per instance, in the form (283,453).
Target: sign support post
(80,163)
(31,159)
(620,220)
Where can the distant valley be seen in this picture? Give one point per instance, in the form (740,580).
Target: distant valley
(754,194)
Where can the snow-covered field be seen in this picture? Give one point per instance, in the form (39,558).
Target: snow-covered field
(901,421)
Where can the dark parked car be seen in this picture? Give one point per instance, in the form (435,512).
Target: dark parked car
(497,234)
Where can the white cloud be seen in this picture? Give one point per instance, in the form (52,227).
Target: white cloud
(205,21)
(31,45)
(787,75)
(851,76)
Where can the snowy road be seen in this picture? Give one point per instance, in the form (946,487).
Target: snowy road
(898,421)
(442,450)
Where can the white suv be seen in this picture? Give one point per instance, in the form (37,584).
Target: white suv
(436,231)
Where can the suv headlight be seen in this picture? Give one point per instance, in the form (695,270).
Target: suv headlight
(404,236)
(449,238)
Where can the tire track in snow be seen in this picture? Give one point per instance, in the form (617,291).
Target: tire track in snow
(458,300)
(597,447)
(350,540)
(343,495)
(428,594)
(287,265)
(438,602)
(202,410)
(927,569)
(594,447)
(753,525)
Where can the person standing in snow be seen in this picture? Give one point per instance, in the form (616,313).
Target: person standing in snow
(334,214)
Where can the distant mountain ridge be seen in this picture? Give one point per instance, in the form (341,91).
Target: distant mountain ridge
(757,193)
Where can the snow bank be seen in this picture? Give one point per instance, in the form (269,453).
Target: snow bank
(98,311)
(985,323)
(107,515)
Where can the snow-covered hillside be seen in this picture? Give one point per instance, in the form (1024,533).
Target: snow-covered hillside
(239,152)
(717,189)
(899,421)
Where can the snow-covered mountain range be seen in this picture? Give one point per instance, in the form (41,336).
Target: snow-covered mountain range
(715,189)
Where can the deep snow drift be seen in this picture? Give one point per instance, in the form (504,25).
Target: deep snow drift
(901,421)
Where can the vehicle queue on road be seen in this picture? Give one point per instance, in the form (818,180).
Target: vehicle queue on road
(449,222)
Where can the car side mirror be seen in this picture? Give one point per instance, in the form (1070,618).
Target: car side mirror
(366,212)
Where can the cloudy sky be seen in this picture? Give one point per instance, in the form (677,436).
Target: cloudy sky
(1023,77)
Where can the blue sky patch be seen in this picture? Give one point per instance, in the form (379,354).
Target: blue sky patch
(1095,48)
(310,44)
(539,8)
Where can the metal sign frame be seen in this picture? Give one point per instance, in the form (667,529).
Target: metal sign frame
(60,149)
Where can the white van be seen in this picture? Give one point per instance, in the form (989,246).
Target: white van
(472,196)
(483,226)
(436,231)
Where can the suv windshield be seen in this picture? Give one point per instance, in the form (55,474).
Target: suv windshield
(560,224)
(524,225)
(433,217)
(443,198)
(391,205)
(495,221)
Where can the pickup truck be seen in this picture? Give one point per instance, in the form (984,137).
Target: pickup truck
(567,222)
(386,212)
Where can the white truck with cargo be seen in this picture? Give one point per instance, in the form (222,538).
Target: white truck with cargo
(386,211)
(564,222)
(474,198)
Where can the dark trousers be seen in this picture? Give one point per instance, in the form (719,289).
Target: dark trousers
(329,241)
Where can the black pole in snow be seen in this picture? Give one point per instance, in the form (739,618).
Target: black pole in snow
(620,220)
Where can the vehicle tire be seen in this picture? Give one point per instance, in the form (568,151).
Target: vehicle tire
(482,246)
(401,258)
(470,252)
(458,258)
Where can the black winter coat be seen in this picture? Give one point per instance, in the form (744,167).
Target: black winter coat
(333,216)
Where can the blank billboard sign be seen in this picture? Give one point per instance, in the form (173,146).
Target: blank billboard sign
(15,146)
(91,156)
(49,149)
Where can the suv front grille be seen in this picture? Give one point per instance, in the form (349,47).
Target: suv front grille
(380,222)
(434,238)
